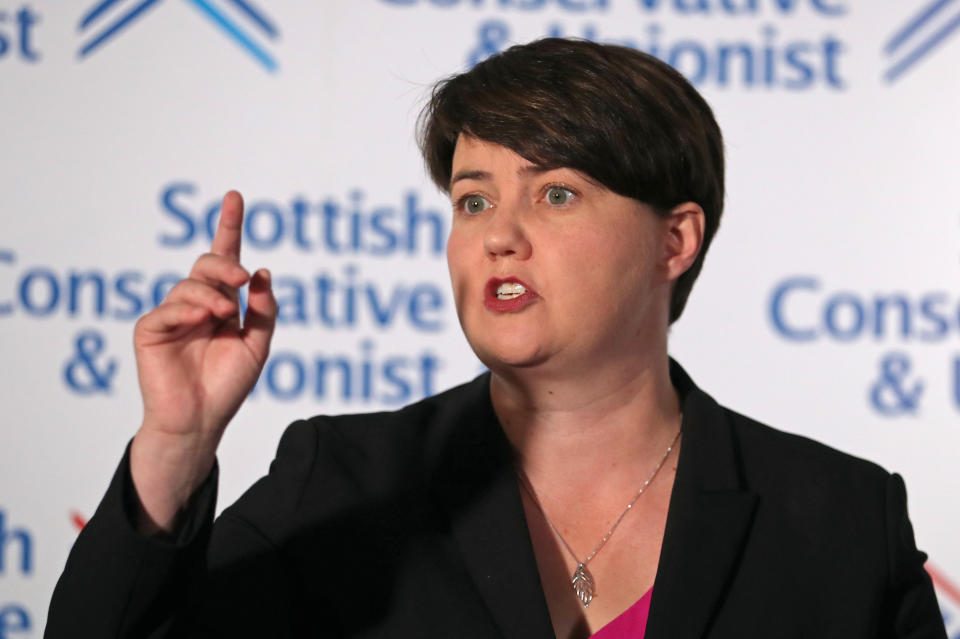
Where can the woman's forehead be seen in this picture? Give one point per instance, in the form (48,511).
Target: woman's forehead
(476,158)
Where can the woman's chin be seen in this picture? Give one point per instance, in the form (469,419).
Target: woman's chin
(498,358)
(512,345)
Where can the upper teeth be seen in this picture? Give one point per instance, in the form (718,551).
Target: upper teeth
(510,290)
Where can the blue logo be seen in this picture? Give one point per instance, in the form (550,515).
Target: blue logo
(921,35)
(114,16)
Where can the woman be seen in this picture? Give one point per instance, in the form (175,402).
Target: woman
(585,485)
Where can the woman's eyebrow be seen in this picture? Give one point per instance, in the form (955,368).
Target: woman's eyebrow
(470,175)
(530,169)
(535,169)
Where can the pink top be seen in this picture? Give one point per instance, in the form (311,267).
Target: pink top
(631,624)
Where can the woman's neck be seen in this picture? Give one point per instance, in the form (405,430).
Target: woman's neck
(569,430)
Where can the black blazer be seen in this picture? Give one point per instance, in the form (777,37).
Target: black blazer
(410,524)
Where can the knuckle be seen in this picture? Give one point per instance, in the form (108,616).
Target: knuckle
(202,262)
(179,289)
(149,320)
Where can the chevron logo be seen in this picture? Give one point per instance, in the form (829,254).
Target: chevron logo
(923,33)
(235,19)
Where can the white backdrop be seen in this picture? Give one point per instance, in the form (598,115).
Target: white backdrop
(829,305)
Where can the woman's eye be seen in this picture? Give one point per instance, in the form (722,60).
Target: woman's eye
(474,204)
(558,195)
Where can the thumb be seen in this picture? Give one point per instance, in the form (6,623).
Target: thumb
(261,316)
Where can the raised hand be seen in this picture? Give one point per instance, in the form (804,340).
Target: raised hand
(196,364)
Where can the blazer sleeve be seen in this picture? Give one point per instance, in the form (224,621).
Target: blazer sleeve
(911,608)
(222,579)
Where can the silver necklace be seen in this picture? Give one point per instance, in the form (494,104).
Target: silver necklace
(584,585)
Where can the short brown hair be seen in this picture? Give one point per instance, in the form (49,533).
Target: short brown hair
(620,116)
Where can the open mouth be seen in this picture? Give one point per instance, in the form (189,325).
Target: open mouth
(510,290)
(508,295)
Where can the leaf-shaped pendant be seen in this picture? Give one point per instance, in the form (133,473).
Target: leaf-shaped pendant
(583,585)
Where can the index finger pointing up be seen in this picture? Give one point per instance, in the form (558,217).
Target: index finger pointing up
(226,241)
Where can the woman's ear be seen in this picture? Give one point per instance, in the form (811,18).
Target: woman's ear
(684,238)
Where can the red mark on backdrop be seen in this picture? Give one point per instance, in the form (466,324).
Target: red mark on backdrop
(944,585)
(78,520)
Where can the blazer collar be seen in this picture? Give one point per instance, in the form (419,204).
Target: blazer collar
(707,522)
(710,511)
(475,482)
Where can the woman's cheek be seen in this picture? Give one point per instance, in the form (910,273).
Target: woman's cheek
(459,271)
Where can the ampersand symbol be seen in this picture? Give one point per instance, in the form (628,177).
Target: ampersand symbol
(493,36)
(81,373)
(889,394)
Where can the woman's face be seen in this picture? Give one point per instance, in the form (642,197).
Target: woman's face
(549,267)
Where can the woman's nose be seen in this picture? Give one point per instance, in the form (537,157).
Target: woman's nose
(505,235)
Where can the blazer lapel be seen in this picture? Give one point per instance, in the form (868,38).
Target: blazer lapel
(476,485)
(707,522)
